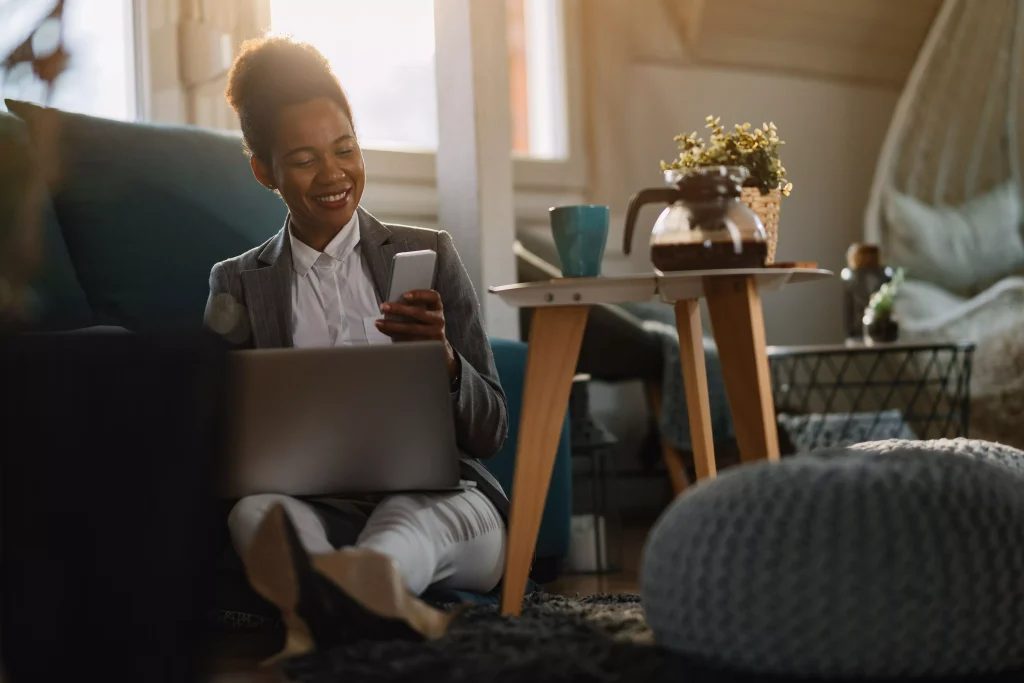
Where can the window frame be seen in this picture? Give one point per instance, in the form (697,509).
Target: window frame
(559,175)
(412,173)
(141,49)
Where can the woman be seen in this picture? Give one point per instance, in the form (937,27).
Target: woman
(320,282)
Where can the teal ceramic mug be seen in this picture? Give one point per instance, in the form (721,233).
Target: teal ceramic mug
(580,234)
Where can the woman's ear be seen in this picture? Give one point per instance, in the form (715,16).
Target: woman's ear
(262,173)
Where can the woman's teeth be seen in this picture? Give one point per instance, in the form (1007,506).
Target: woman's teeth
(331,198)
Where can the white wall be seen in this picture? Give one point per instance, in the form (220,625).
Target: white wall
(833,132)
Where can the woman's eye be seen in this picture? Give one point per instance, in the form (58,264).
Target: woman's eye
(345,152)
(304,163)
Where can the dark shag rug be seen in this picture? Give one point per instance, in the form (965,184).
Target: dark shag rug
(602,639)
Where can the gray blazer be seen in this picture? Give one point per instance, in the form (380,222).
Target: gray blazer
(250,307)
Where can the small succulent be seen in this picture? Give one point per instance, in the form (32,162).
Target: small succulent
(882,302)
(756,149)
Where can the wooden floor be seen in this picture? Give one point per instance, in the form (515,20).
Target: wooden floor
(626,580)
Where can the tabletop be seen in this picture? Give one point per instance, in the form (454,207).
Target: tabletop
(617,289)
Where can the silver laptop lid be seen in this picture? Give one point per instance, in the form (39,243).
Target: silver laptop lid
(347,420)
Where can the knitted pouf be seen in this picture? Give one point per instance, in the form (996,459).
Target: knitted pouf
(891,559)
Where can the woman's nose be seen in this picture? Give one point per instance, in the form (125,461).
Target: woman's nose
(332,172)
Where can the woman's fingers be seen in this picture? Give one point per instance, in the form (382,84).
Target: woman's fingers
(426,297)
(409,330)
(423,317)
(419,313)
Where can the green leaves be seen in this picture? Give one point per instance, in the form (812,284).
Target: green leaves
(756,149)
(882,302)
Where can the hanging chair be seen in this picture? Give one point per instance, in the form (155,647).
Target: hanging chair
(954,142)
(954,149)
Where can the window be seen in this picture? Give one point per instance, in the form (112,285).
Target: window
(537,78)
(387,68)
(98,35)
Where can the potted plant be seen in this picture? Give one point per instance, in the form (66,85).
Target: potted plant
(755,149)
(880,323)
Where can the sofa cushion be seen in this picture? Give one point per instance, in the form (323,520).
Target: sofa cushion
(146,211)
(61,302)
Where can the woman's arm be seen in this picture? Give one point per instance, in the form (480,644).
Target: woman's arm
(481,415)
(225,313)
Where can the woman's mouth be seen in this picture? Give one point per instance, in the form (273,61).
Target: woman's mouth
(336,200)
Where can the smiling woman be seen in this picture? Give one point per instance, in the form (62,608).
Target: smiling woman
(319,283)
(316,165)
(297,126)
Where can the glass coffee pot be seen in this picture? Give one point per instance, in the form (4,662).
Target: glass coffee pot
(705,226)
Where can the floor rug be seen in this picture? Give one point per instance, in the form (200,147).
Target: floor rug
(556,640)
(600,638)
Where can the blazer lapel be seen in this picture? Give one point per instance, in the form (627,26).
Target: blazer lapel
(268,293)
(378,249)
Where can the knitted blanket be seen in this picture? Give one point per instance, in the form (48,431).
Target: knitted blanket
(659,320)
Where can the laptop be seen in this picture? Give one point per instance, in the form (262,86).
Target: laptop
(344,420)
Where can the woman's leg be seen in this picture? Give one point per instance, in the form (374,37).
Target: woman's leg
(456,540)
(245,517)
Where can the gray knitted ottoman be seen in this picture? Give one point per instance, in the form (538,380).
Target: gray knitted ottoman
(893,559)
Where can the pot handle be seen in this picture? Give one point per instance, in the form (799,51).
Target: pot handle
(652,195)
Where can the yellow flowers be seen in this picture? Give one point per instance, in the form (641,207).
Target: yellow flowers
(756,149)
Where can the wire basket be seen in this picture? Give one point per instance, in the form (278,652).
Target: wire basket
(767,207)
(833,395)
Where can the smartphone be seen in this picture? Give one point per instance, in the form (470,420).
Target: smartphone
(411,270)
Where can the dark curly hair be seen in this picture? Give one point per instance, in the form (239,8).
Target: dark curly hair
(271,73)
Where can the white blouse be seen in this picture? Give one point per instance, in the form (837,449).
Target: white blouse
(333,300)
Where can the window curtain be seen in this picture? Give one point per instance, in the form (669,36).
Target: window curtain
(191,44)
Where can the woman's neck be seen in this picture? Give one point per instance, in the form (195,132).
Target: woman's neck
(315,239)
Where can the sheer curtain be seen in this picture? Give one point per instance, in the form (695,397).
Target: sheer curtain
(191,45)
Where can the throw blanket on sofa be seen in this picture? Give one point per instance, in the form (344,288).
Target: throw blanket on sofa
(659,320)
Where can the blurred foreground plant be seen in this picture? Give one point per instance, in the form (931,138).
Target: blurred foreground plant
(23,164)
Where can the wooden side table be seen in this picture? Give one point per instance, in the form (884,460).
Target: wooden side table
(560,315)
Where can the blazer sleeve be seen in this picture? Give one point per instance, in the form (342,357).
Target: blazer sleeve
(481,414)
(226,315)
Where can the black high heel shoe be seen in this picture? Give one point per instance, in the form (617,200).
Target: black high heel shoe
(349,595)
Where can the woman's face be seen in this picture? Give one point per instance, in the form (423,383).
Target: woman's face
(316,165)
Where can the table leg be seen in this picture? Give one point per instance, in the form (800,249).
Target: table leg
(695,381)
(555,336)
(738,321)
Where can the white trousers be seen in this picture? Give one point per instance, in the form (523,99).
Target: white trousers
(453,540)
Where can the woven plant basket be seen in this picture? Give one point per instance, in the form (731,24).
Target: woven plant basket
(767,207)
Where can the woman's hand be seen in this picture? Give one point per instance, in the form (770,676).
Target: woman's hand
(425,322)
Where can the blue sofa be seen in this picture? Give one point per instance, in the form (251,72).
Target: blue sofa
(138,216)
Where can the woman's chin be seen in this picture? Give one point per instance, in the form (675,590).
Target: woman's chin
(335,217)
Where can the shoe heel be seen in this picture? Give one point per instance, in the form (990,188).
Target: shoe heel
(271,568)
(374,586)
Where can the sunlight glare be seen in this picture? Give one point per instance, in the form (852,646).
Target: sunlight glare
(383,53)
